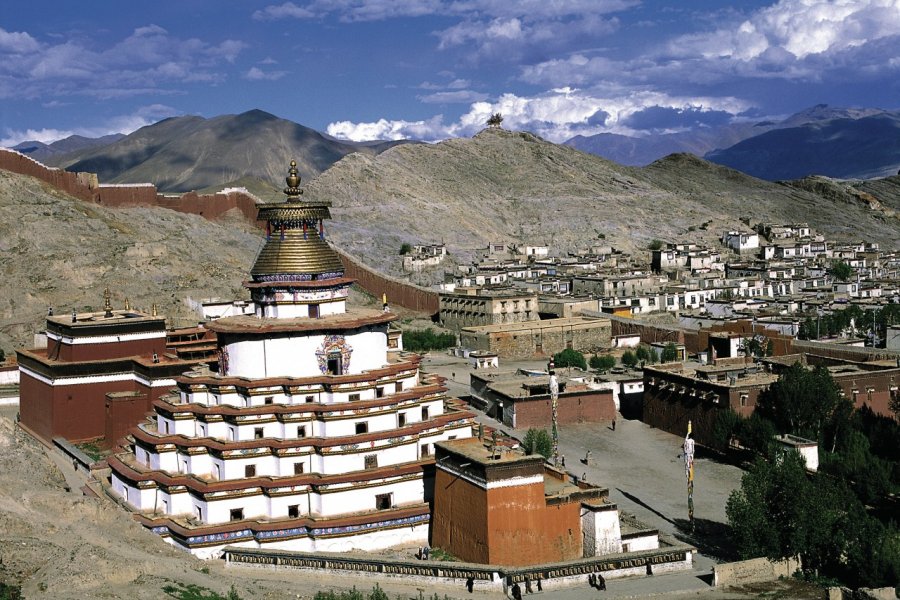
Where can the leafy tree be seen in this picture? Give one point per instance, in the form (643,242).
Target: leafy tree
(725,427)
(569,358)
(423,340)
(405,248)
(840,270)
(603,363)
(801,402)
(629,359)
(642,353)
(655,245)
(495,120)
(669,353)
(756,433)
(538,441)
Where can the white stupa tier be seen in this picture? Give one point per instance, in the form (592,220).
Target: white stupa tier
(310,436)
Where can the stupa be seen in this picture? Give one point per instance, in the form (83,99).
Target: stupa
(311,435)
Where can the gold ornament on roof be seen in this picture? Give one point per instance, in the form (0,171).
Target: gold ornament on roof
(153,310)
(127,304)
(293,190)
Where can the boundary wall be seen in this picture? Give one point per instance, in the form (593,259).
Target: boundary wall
(86,187)
(494,578)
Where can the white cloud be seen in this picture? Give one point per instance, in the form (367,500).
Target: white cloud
(556,115)
(143,116)
(257,74)
(282,11)
(141,63)
(453,97)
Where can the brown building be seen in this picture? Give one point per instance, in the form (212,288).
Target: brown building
(522,400)
(536,339)
(505,508)
(676,393)
(100,372)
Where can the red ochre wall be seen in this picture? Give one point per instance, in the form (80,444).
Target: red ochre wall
(75,412)
(122,413)
(107,351)
(459,521)
(590,407)
(503,526)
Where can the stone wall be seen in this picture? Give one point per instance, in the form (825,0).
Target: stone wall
(753,571)
(577,407)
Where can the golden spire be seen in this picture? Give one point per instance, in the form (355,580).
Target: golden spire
(293,190)
(153,310)
(107,306)
(127,305)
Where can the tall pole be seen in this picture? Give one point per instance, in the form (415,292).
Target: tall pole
(689,472)
(554,408)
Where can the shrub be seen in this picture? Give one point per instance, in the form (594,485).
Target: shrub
(629,359)
(423,340)
(538,441)
(603,363)
(569,358)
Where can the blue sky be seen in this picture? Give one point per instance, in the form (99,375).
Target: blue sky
(432,69)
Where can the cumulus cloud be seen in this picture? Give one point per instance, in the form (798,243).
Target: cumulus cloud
(257,74)
(141,117)
(453,97)
(556,115)
(144,62)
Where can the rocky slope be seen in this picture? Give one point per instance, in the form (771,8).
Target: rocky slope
(516,187)
(61,252)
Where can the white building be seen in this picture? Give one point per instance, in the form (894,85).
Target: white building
(741,242)
(310,436)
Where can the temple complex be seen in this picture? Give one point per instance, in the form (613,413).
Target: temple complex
(312,435)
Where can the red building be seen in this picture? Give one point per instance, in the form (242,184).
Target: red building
(101,371)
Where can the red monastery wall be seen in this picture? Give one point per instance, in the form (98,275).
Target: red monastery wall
(398,292)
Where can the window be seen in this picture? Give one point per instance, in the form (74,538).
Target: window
(249,470)
(198,513)
(257,433)
(165,427)
(426,450)
(334,361)
(298,468)
(293,511)
(424,413)
(269,400)
(371,461)
(301,431)
(310,399)
(231,433)
(383,501)
(362,427)
(313,311)
(353,397)
(401,419)
(399,386)
(237,514)
(379,392)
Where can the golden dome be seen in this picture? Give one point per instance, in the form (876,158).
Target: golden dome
(295,255)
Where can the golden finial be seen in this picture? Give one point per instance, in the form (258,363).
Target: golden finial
(127,304)
(293,182)
(107,306)
(153,310)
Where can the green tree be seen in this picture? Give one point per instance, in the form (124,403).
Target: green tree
(538,441)
(423,340)
(655,245)
(569,358)
(405,248)
(669,353)
(840,270)
(629,359)
(642,353)
(603,363)
(801,402)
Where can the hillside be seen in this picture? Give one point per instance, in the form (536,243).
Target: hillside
(844,148)
(516,187)
(61,252)
(74,143)
(181,154)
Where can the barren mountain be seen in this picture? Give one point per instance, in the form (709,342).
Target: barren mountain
(74,143)
(516,187)
(61,252)
(192,153)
